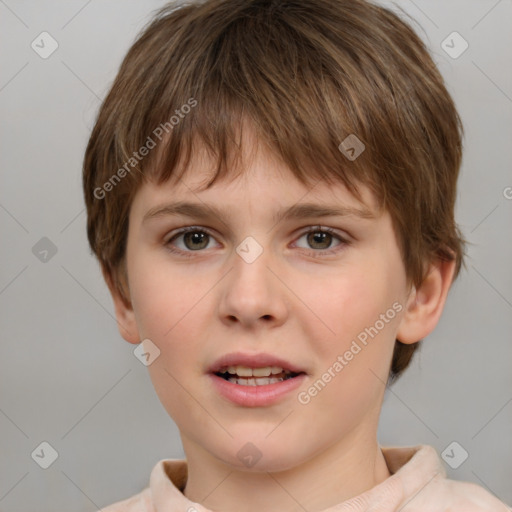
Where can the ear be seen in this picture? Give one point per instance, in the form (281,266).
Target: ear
(426,303)
(125,316)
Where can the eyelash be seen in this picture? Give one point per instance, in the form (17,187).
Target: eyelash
(314,229)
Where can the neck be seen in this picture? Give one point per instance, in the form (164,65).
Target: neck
(350,467)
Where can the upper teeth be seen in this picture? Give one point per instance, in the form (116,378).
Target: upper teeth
(245,371)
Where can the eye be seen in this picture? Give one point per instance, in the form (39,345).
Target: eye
(321,238)
(195,239)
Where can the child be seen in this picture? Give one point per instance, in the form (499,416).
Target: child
(261,129)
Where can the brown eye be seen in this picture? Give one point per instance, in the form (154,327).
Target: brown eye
(195,240)
(319,239)
(189,240)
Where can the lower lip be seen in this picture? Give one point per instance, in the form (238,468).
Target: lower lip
(256,396)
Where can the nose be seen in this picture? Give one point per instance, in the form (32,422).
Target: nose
(253,292)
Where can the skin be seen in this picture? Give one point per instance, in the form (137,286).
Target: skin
(291,302)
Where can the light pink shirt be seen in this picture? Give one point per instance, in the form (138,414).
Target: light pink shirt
(417,483)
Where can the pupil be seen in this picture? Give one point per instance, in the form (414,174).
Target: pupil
(195,236)
(318,237)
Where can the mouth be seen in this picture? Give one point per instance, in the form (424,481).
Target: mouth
(247,376)
(255,380)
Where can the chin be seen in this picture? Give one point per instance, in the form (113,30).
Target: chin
(259,455)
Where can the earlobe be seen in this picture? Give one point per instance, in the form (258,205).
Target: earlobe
(125,316)
(425,304)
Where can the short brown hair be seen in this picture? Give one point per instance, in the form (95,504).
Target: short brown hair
(307,73)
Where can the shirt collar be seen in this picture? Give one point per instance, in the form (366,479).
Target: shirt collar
(411,468)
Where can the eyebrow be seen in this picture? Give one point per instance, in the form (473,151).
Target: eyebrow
(204,211)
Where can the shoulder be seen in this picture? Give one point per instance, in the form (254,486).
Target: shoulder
(456,496)
(420,478)
(470,497)
(140,502)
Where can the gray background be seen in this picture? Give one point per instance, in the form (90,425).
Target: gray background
(66,375)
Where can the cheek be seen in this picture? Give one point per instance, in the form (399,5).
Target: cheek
(164,297)
(173,310)
(344,304)
(357,322)
(168,307)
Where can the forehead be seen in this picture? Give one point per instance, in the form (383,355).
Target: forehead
(258,177)
(258,192)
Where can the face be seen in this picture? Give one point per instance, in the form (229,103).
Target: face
(320,294)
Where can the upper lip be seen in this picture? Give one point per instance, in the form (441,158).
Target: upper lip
(260,360)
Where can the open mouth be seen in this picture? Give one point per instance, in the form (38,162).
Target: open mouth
(246,376)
